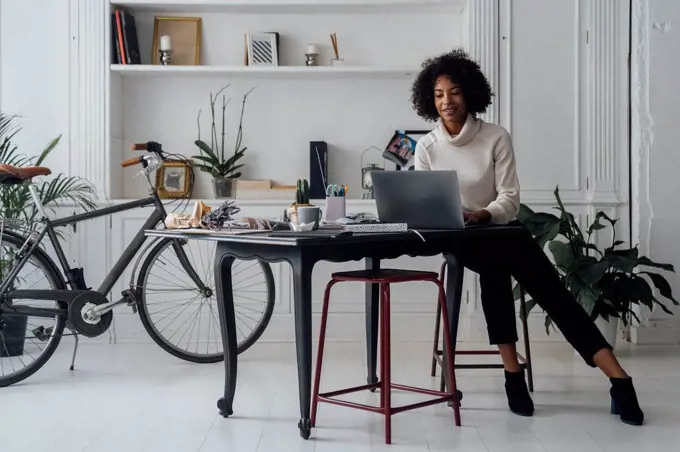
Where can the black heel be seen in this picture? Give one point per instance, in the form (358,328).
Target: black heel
(624,402)
(519,400)
(614,408)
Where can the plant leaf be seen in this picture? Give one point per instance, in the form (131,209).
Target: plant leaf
(562,253)
(662,286)
(50,146)
(591,274)
(643,260)
(623,260)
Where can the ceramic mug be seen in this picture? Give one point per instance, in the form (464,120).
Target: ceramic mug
(308,215)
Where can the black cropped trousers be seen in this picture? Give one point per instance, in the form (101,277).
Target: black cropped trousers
(497,260)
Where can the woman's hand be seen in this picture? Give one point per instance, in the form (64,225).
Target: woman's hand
(479,217)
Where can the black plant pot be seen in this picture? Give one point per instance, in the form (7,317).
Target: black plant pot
(14,335)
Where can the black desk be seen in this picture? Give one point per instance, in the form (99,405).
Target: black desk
(302,254)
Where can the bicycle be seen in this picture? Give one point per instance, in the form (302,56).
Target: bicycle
(87,312)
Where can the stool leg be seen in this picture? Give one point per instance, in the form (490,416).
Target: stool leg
(319,353)
(450,358)
(435,342)
(381,341)
(437,323)
(386,361)
(527,347)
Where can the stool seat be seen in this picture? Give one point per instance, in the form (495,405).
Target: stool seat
(385,275)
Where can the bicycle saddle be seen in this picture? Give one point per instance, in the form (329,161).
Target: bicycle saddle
(14,175)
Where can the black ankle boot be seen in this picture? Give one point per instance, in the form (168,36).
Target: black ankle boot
(516,389)
(625,402)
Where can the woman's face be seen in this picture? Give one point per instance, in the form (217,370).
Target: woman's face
(448,99)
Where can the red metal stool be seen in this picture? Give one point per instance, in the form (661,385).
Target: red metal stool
(385,277)
(524,361)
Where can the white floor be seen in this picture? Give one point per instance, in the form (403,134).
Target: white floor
(137,398)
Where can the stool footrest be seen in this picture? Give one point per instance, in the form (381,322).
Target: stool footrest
(350,390)
(328,397)
(438,357)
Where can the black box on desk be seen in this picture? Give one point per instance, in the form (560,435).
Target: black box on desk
(318,169)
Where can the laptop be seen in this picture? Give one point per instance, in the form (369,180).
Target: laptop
(421,199)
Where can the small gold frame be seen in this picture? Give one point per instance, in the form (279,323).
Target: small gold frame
(173,179)
(185,34)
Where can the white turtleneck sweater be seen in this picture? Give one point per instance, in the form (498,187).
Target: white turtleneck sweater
(483,157)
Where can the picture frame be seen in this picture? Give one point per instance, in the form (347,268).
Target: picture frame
(263,49)
(185,35)
(174,179)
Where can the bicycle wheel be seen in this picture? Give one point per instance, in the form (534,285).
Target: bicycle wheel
(165,292)
(27,342)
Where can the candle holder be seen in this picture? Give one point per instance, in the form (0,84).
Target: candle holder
(312,59)
(166,57)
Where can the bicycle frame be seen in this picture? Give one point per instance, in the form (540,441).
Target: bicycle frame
(48,228)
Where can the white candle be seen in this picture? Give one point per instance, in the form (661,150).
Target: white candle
(166,43)
(312,48)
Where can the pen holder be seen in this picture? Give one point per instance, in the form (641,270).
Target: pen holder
(335,207)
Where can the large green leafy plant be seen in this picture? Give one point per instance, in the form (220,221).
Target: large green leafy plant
(16,201)
(607,282)
(212,158)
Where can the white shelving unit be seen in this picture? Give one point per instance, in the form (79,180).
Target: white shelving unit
(351,107)
(276,72)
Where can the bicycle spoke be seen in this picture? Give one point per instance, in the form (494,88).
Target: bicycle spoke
(185,322)
(22,349)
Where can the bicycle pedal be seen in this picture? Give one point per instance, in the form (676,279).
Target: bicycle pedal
(130,299)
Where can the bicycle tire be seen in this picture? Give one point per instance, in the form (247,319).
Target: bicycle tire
(51,271)
(206,359)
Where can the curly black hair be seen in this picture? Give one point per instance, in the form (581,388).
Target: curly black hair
(461,70)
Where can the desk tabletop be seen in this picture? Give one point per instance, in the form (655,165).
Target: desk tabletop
(263,238)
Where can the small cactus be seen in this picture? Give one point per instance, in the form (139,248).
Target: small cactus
(302,195)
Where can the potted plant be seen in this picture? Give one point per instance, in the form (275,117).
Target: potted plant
(301,200)
(607,282)
(17,206)
(212,159)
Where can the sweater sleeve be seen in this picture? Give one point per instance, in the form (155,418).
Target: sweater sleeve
(421,158)
(506,205)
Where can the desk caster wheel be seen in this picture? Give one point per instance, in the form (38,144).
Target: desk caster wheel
(305,426)
(459,397)
(225,411)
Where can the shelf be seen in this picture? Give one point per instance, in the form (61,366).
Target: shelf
(275,72)
(290,6)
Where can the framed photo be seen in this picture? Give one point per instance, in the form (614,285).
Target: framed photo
(263,49)
(185,39)
(402,146)
(174,179)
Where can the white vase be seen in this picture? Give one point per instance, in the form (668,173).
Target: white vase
(609,329)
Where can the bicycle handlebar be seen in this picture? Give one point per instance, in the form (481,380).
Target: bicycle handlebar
(138,147)
(131,162)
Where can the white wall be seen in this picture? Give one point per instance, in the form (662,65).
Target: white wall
(35,74)
(43,96)
(656,140)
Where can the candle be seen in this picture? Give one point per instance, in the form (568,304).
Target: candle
(312,48)
(166,43)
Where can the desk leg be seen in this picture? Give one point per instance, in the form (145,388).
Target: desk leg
(225,307)
(454,293)
(372,303)
(302,287)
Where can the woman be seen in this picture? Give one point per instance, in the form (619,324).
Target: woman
(452,90)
